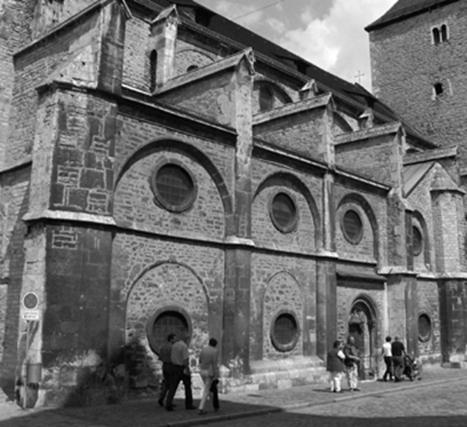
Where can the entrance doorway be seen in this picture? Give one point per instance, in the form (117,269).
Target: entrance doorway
(362,326)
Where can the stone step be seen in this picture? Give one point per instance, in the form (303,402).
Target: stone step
(279,375)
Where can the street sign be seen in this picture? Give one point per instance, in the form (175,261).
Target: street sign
(31,314)
(30,300)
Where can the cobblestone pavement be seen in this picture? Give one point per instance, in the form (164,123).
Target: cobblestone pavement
(440,399)
(433,405)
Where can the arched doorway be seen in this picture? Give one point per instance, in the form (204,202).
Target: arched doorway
(362,326)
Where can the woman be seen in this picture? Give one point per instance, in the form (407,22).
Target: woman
(209,370)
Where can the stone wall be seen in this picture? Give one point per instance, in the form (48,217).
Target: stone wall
(428,303)
(82,176)
(405,49)
(136,65)
(15,197)
(75,330)
(136,205)
(150,274)
(33,68)
(304,133)
(377,159)
(288,284)
(372,210)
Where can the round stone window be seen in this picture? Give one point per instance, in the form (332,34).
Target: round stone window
(283,213)
(417,241)
(165,323)
(352,226)
(424,327)
(284,331)
(174,187)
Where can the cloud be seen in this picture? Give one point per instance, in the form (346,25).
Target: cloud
(237,12)
(337,41)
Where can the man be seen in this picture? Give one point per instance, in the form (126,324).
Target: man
(335,366)
(387,356)
(209,371)
(398,351)
(165,354)
(351,362)
(179,371)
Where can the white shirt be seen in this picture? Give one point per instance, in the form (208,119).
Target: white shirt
(387,349)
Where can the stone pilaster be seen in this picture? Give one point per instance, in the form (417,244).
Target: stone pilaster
(112,33)
(453,318)
(403,307)
(162,46)
(236,346)
(326,288)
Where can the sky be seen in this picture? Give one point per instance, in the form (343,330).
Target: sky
(328,33)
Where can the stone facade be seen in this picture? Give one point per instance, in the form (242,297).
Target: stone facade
(157,173)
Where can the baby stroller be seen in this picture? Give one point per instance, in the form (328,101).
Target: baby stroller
(412,368)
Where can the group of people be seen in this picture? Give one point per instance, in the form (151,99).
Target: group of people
(393,354)
(175,369)
(343,359)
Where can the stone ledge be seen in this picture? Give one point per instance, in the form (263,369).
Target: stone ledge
(69,216)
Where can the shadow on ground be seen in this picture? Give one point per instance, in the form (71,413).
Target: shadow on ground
(148,413)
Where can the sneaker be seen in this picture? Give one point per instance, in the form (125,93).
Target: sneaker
(169,408)
(161,402)
(202,412)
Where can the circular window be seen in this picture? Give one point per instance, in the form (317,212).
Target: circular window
(352,226)
(283,213)
(167,322)
(417,241)
(174,187)
(284,332)
(424,327)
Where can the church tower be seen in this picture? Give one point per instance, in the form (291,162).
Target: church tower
(418,61)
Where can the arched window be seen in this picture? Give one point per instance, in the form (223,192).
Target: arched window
(153,70)
(266,98)
(436,35)
(444,33)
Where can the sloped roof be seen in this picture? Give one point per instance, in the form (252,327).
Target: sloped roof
(404,9)
(247,38)
(413,174)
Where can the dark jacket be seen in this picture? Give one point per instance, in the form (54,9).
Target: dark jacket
(397,348)
(351,350)
(333,362)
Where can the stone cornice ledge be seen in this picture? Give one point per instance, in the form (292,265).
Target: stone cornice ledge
(396,270)
(430,155)
(239,241)
(360,135)
(69,216)
(452,275)
(17,165)
(290,109)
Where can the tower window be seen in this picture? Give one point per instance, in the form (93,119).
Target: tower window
(153,70)
(444,33)
(436,35)
(439,34)
(438,89)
